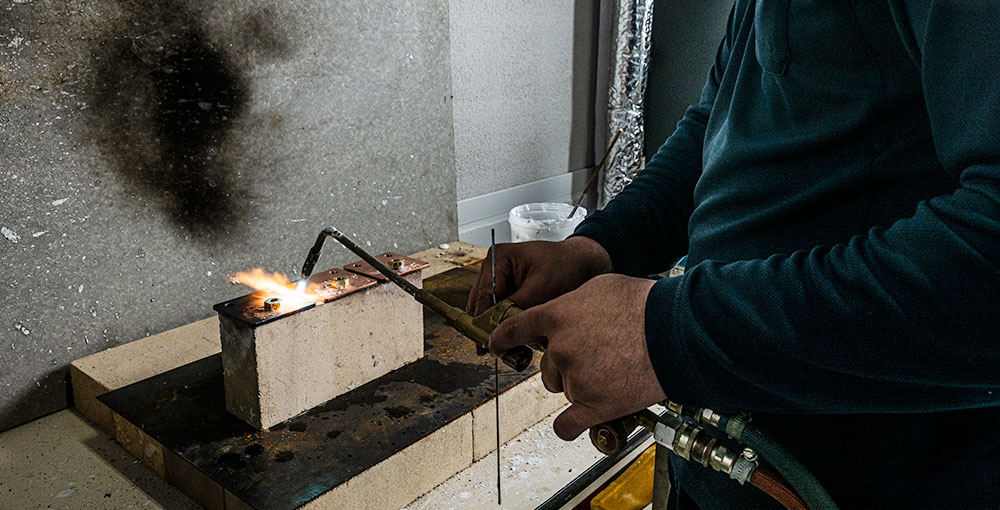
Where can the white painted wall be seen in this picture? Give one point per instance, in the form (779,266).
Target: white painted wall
(479,214)
(523,85)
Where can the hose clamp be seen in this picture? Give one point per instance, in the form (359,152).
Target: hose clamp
(742,469)
(735,426)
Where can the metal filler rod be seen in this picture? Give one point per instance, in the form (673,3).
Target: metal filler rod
(496,361)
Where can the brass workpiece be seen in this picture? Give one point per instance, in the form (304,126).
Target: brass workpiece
(502,311)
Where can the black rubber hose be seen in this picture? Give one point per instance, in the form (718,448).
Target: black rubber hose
(803,481)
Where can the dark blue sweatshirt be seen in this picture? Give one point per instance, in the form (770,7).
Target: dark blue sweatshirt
(837,189)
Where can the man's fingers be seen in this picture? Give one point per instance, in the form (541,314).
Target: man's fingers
(483,302)
(482,289)
(529,294)
(527,327)
(572,422)
(470,305)
(473,295)
(481,296)
(535,290)
(551,378)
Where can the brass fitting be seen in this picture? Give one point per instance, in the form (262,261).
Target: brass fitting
(698,414)
(610,437)
(710,417)
(722,459)
(272,304)
(691,442)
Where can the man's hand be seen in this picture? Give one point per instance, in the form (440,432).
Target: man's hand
(534,272)
(596,350)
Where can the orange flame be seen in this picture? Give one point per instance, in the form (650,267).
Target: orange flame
(277,285)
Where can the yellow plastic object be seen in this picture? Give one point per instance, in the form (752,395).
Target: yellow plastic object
(633,490)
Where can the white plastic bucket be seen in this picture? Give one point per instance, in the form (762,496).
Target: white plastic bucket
(543,222)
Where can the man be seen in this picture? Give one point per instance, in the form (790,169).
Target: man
(837,189)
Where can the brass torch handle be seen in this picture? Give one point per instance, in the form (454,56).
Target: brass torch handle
(502,311)
(518,358)
(608,438)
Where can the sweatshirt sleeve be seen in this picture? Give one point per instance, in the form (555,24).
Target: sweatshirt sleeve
(903,319)
(643,236)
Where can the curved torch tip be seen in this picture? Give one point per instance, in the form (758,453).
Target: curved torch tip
(330,231)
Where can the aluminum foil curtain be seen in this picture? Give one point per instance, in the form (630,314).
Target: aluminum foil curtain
(631,25)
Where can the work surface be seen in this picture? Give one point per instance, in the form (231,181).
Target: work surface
(289,464)
(61,461)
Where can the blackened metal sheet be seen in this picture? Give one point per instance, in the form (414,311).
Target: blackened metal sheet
(296,461)
(247,309)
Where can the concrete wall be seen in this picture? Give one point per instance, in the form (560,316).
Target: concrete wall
(524,87)
(150,149)
(686,36)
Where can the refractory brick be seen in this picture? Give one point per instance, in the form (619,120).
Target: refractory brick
(282,368)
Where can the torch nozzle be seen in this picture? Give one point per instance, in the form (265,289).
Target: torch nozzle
(313,256)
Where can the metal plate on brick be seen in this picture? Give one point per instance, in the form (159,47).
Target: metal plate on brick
(324,286)
(406,265)
(296,461)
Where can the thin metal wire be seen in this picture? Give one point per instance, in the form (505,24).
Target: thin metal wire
(496,360)
(595,173)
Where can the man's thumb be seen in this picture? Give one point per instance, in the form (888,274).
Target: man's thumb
(572,422)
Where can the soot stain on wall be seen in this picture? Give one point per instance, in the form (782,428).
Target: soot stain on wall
(169,92)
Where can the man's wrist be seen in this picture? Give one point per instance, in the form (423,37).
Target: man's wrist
(596,259)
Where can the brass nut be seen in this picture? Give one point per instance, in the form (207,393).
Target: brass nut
(272,304)
(396,263)
(341,282)
(602,438)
